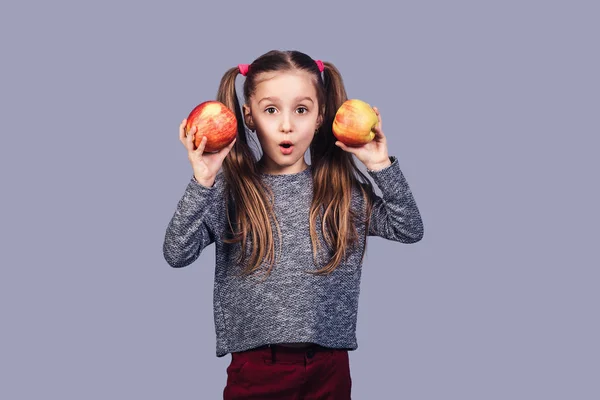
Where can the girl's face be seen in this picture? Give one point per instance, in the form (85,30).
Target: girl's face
(285,114)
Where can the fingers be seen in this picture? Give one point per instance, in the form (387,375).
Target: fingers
(378,115)
(201,145)
(377,128)
(187,138)
(182,131)
(190,142)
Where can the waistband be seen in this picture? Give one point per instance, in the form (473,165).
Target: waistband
(278,347)
(279,353)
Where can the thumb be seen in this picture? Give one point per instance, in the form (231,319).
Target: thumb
(225,150)
(344,147)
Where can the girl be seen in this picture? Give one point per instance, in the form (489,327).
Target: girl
(290,236)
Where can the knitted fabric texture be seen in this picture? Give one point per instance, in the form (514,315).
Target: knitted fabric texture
(290,305)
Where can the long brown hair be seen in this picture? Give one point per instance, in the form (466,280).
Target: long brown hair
(335,174)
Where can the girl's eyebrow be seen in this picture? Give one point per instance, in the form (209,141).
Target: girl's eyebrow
(272,98)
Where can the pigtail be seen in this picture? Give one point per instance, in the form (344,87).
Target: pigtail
(250,201)
(335,176)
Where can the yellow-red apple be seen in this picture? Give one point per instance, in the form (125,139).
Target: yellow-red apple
(214,120)
(354,122)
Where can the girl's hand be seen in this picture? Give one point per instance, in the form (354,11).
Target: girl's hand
(373,154)
(205,165)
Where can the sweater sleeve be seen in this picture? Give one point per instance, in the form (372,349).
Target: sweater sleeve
(395,215)
(191,228)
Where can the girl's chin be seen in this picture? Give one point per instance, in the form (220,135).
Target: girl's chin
(279,160)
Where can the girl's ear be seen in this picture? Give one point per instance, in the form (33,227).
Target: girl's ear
(248,117)
(321,117)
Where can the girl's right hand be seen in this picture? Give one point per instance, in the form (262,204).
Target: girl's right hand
(205,165)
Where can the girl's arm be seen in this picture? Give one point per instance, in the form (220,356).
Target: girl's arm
(395,215)
(191,228)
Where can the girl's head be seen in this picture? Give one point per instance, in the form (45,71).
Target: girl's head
(288,101)
(284,107)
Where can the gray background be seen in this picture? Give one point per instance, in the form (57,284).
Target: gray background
(491,107)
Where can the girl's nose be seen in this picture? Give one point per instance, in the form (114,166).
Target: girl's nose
(286,124)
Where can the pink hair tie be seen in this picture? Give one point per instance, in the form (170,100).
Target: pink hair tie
(244,68)
(320,65)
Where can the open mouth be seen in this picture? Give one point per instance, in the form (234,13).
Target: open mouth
(286,147)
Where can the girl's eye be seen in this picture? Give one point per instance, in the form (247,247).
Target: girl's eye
(271,110)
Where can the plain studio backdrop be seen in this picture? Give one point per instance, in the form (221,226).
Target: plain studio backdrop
(491,108)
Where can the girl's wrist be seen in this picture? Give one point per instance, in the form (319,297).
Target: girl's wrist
(379,165)
(204,182)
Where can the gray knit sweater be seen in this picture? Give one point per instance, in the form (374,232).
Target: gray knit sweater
(290,305)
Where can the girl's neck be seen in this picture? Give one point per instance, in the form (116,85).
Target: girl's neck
(278,170)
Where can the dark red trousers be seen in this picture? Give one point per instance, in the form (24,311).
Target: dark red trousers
(278,372)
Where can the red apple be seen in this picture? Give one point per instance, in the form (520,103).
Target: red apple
(214,120)
(354,122)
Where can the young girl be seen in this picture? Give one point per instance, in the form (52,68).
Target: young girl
(290,236)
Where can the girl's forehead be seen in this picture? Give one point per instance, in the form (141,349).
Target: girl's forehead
(285,84)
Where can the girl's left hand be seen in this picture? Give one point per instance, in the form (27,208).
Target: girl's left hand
(373,154)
